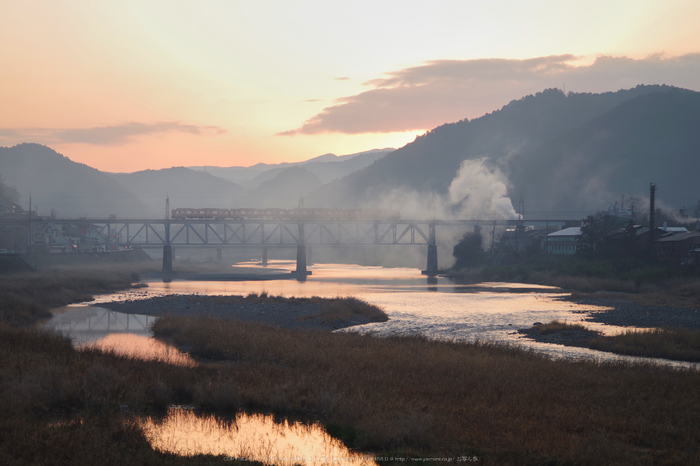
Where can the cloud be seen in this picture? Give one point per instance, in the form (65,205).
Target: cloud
(103,135)
(441,91)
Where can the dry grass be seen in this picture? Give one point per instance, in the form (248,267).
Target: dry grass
(330,309)
(66,407)
(26,298)
(555,326)
(395,396)
(678,344)
(411,396)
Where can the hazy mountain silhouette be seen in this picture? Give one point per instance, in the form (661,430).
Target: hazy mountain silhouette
(325,167)
(562,153)
(285,189)
(650,138)
(185,187)
(70,188)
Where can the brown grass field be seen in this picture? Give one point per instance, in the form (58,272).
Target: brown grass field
(678,344)
(395,397)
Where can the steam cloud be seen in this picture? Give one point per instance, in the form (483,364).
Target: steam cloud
(477,192)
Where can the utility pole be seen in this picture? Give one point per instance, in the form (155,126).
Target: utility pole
(652,211)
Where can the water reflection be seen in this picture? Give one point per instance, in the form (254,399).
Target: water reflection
(142,347)
(126,334)
(85,323)
(251,437)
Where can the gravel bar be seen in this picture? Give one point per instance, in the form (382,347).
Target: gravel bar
(287,313)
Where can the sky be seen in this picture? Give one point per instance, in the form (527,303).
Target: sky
(126,85)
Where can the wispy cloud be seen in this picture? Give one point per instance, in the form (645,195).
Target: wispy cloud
(442,91)
(103,135)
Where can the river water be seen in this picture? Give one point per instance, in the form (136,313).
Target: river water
(416,305)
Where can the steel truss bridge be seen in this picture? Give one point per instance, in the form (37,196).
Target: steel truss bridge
(262,234)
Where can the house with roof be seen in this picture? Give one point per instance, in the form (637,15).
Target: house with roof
(677,248)
(563,241)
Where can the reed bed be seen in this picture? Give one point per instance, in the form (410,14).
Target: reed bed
(395,397)
(678,344)
(415,397)
(556,326)
(63,406)
(26,298)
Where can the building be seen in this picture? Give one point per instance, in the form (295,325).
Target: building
(563,241)
(677,249)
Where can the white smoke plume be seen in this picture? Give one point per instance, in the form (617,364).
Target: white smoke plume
(477,192)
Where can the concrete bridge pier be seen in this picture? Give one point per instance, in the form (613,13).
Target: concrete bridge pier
(264,258)
(301,271)
(167,263)
(432,266)
(219,253)
(431,269)
(301,260)
(167,256)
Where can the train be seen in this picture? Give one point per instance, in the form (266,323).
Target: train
(284,214)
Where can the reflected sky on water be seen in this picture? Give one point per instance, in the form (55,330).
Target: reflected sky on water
(249,437)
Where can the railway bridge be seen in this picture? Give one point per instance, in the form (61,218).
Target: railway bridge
(261,233)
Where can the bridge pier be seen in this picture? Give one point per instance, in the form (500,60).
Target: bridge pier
(432,265)
(431,269)
(167,263)
(219,254)
(301,259)
(301,262)
(264,258)
(301,271)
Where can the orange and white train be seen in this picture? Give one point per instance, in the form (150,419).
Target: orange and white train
(284,214)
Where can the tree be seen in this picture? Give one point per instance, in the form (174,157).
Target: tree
(8,194)
(596,241)
(594,231)
(468,251)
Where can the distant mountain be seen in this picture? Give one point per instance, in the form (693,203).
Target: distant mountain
(184,187)
(285,189)
(650,138)
(564,154)
(69,188)
(325,167)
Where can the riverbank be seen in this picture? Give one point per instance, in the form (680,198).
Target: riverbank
(669,332)
(27,297)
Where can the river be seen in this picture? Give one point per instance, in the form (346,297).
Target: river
(435,308)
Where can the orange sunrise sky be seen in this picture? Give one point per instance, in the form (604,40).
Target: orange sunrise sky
(132,85)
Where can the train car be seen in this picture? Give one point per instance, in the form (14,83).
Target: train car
(283,214)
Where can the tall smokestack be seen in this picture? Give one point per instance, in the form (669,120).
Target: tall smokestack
(652,210)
